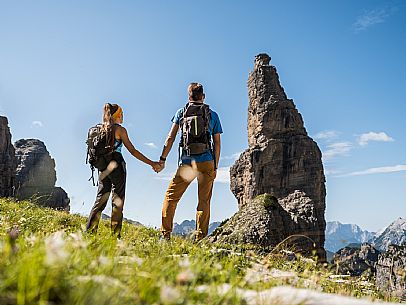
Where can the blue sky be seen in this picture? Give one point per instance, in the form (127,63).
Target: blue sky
(342,62)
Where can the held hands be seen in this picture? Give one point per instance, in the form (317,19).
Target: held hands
(157,166)
(161,164)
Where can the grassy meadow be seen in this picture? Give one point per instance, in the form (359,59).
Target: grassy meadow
(45,258)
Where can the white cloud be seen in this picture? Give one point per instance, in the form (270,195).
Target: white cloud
(372,17)
(232,157)
(330,172)
(151,145)
(37,124)
(374,136)
(377,170)
(326,135)
(337,149)
(223,175)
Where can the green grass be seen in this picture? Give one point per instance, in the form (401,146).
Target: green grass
(45,258)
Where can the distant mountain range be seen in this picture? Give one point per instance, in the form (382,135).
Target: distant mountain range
(188,226)
(339,235)
(394,234)
(136,223)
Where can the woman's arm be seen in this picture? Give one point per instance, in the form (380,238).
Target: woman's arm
(122,132)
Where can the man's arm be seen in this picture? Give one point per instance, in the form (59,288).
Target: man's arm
(169,141)
(217,148)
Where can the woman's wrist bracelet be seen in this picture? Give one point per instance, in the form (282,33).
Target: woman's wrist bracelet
(162,158)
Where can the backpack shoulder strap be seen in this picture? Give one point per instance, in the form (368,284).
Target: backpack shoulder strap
(184,110)
(207,115)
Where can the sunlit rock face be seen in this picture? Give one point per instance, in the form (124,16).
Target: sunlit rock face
(36,175)
(356,259)
(391,271)
(7,161)
(282,161)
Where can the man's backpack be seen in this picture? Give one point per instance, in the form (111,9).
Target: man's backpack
(194,125)
(100,148)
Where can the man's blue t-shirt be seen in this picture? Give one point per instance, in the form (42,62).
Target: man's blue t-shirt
(214,128)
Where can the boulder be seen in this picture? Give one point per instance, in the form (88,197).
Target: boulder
(356,260)
(36,175)
(268,222)
(391,271)
(7,160)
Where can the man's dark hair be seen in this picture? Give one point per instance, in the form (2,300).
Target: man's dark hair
(195,91)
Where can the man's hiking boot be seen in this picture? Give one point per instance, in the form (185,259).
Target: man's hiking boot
(165,238)
(198,237)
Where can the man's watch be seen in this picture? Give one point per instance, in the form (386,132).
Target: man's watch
(162,158)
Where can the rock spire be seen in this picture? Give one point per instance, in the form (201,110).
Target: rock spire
(282,161)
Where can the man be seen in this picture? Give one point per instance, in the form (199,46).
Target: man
(200,153)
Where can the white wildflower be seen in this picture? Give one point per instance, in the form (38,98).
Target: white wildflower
(185,277)
(260,273)
(169,295)
(144,274)
(334,276)
(78,240)
(31,240)
(276,273)
(100,262)
(121,245)
(102,279)
(184,262)
(55,248)
(123,259)
(104,260)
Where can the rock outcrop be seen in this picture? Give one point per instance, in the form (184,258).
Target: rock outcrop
(7,160)
(283,161)
(357,260)
(36,175)
(391,271)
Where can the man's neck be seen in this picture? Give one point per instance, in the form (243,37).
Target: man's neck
(196,102)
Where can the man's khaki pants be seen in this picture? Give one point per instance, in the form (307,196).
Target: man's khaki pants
(205,173)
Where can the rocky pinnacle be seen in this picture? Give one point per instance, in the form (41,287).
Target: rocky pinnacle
(282,161)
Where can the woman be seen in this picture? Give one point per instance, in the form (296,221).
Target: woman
(113,178)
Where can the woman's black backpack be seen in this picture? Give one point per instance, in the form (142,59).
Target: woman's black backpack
(100,148)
